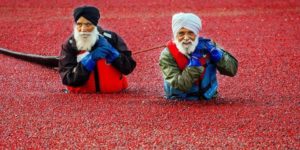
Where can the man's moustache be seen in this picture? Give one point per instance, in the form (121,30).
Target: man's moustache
(85,34)
(187,42)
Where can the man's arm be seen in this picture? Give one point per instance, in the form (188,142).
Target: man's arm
(225,62)
(71,72)
(228,65)
(182,80)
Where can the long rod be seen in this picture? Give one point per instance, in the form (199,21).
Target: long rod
(50,61)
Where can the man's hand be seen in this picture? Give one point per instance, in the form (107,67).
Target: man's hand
(105,50)
(216,53)
(102,49)
(114,54)
(194,60)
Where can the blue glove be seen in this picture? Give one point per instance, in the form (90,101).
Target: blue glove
(216,53)
(114,54)
(102,42)
(105,50)
(102,49)
(88,62)
(99,53)
(194,60)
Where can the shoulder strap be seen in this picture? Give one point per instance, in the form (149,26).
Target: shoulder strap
(180,59)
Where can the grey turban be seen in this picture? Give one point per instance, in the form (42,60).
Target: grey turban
(189,21)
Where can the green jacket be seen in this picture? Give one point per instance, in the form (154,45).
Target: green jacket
(184,80)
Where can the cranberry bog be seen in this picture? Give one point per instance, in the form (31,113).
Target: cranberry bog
(258,108)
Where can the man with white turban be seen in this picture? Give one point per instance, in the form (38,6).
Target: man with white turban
(189,62)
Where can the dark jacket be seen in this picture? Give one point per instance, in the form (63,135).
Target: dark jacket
(74,74)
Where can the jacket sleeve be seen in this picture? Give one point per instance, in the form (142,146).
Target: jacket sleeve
(125,63)
(228,65)
(71,72)
(182,80)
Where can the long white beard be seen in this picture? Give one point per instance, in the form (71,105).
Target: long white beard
(86,40)
(184,48)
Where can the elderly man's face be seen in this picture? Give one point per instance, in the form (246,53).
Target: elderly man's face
(85,34)
(186,36)
(84,25)
(186,41)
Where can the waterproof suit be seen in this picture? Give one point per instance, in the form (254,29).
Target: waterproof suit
(193,83)
(105,78)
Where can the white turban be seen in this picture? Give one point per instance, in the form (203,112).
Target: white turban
(189,21)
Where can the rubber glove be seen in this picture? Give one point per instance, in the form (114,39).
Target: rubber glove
(88,62)
(102,49)
(194,59)
(106,50)
(216,53)
(114,54)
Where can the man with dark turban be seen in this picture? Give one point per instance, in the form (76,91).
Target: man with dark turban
(93,59)
(189,62)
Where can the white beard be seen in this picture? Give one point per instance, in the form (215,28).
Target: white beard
(86,40)
(184,48)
